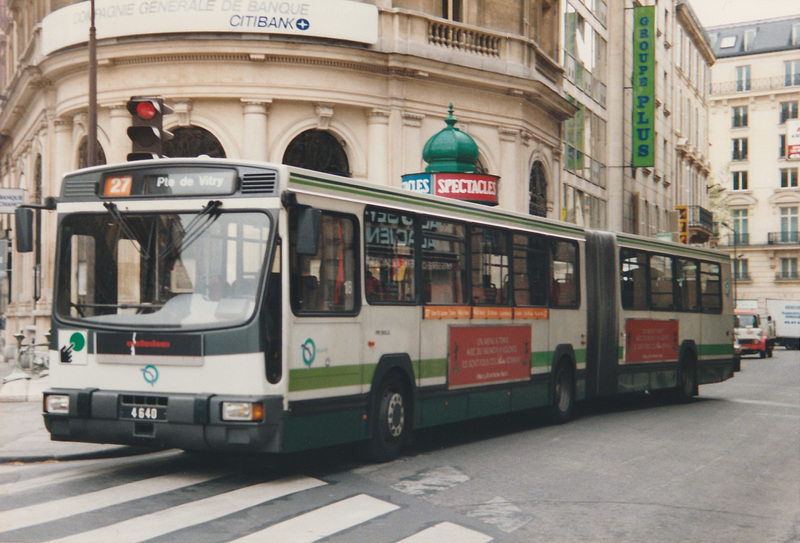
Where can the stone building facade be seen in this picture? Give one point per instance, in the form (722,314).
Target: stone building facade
(344,86)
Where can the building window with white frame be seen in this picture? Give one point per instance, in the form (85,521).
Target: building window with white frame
(453,10)
(739,114)
(788,111)
(740,269)
(739,149)
(791,73)
(740,180)
(742,78)
(740,227)
(789,268)
(789,225)
(788,178)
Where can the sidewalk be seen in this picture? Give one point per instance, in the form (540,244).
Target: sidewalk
(23,437)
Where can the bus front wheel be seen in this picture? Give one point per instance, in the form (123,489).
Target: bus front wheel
(390,419)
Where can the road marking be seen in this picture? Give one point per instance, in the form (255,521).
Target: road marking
(431,481)
(71,475)
(447,531)
(769,404)
(66,507)
(323,522)
(190,514)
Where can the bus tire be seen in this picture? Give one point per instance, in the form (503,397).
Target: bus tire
(390,419)
(687,379)
(563,393)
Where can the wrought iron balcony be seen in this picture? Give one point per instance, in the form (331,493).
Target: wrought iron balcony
(788,237)
(700,222)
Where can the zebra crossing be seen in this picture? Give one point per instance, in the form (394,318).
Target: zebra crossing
(98,503)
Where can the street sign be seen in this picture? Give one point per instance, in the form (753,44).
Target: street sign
(10,199)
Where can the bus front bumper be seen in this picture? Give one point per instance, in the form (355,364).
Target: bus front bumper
(165,421)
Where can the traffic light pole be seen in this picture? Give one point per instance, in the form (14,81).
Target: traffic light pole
(91,147)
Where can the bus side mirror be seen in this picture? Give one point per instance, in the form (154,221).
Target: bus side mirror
(309,222)
(24,225)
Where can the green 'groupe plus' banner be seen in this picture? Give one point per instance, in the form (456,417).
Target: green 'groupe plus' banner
(644,60)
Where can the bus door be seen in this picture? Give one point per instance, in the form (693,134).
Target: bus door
(322,355)
(567,312)
(391,313)
(601,320)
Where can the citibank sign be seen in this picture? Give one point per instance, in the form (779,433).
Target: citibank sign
(332,19)
(470,187)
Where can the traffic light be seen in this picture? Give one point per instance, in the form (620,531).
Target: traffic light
(146,131)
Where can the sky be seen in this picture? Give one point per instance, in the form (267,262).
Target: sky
(722,12)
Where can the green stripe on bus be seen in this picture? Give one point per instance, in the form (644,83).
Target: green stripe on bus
(333,377)
(715,349)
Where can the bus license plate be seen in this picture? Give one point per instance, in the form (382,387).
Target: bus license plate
(142,412)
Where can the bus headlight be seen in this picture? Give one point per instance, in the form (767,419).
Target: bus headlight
(56,404)
(242,411)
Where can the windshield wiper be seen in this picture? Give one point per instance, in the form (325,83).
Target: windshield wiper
(199,224)
(120,221)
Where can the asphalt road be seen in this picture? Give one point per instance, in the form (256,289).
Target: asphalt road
(723,468)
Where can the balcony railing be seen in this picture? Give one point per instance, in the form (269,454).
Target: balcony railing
(761,84)
(783,238)
(787,276)
(464,39)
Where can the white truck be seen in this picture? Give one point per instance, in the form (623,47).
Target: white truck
(786,317)
(754,333)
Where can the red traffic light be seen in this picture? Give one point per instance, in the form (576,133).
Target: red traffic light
(145,110)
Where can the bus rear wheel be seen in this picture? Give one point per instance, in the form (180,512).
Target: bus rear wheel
(687,380)
(563,394)
(390,419)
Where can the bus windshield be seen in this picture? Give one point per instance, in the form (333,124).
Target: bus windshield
(176,270)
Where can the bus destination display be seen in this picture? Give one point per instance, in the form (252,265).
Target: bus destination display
(169,183)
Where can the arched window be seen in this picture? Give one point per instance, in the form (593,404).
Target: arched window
(193,141)
(538,190)
(83,154)
(318,150)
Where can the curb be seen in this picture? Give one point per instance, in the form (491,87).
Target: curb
(115,452)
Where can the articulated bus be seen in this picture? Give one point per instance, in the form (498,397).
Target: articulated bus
(220,305)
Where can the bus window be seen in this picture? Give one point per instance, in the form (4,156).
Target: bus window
(633,279)
(564,279)
(443,262)
(686,283)
(325,281)
(710,291)
(389,256)
(490,267)
(661,294)
(531,270)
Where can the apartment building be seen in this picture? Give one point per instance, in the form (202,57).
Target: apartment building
(755,93)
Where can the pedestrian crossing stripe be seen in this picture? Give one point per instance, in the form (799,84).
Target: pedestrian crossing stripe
(41,513)
(447,531)
(308,527)
(323,522)
(176,518)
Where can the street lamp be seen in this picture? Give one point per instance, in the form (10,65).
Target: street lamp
(91,147)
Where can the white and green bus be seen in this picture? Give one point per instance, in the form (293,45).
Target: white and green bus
(221,305)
